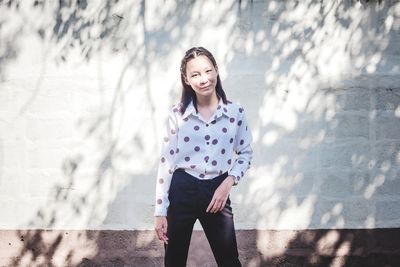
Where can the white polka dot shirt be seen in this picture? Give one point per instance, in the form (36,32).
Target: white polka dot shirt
(203,149)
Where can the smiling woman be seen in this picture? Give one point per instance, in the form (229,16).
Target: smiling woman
(201,76)
(205,152)
(83,85)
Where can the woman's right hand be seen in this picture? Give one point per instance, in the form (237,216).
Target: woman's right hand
(160,226)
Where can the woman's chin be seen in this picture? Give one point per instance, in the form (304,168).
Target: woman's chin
(205,92)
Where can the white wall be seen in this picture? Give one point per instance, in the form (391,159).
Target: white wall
(80,126)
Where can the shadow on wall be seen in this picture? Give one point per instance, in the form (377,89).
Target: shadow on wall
(87,28)
(321,125)
(327,143)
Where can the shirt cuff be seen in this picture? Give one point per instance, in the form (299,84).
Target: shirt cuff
(161,208)
(160,212)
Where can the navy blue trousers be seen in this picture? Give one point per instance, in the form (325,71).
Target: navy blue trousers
(189,198)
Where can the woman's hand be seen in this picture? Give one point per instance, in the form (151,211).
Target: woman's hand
(220,196)
(160,226)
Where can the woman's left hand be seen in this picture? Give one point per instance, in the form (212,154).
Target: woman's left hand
(220,196)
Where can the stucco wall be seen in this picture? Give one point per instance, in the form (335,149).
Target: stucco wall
(84,90)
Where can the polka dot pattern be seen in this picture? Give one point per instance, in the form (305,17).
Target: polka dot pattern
(204,149)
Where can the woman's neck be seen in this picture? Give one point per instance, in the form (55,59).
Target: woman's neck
(204,102)
(206,106)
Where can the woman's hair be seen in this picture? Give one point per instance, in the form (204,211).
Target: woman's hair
(188,93)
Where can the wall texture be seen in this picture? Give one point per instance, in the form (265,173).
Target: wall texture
(84,89)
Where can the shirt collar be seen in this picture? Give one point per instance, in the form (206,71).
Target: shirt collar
(189,110)
(222,109)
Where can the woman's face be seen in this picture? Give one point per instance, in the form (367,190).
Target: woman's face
(201,75)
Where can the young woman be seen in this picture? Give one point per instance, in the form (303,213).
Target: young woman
(206,150)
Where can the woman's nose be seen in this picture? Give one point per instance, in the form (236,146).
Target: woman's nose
(203,79)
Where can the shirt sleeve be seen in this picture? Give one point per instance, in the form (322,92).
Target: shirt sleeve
(242,148)
(166,165)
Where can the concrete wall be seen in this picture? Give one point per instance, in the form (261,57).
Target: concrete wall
(84,88)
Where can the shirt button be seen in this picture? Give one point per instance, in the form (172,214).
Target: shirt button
(207,125)
(208,143)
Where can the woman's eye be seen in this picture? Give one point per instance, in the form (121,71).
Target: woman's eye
(208,71)
(194,75)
